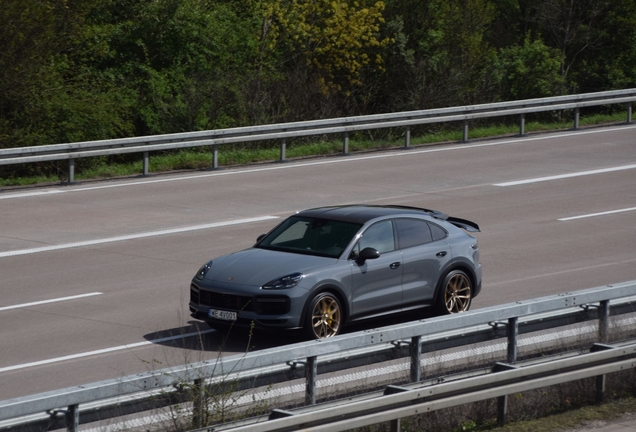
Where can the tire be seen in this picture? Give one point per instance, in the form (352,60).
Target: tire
(456,293)
(324,317)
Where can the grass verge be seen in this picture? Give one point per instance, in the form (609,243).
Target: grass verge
(586,417)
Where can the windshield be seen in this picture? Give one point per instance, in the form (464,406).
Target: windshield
(322,237)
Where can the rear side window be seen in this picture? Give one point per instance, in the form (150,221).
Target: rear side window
(413,232)
(437,232)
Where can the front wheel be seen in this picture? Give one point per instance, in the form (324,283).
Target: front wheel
(456,293)
(324,318)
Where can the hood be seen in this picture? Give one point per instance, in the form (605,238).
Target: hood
(256,267)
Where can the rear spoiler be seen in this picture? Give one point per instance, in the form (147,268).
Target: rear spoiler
(460,223)
(464,224)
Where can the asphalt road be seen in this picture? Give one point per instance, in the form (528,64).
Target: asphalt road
(117,256)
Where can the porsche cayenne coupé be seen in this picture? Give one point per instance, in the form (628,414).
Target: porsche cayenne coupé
(326,267)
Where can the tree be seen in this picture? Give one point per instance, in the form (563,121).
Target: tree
(46,96)
(442,60)
(527,71)
(335,39)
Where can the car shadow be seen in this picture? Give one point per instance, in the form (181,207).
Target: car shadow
(390,320)
(197,335)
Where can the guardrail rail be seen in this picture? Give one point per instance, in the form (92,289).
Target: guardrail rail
(139,391)
(284,131)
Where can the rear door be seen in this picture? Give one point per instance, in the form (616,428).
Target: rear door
(424,254)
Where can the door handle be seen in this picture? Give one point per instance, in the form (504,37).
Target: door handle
(441,254)
(395,265)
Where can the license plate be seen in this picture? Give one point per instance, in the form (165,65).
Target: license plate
(222,315)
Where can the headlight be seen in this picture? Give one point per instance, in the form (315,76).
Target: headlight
(285,282)
(205,268)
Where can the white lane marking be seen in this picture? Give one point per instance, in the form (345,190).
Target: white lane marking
(598,214)
(101,351)
(30,194)
(37,303)
(134,236)
(563,176)
(356,377)
(352,158)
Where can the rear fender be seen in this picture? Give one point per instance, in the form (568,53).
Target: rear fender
(456,264)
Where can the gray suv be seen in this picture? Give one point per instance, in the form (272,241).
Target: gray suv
(326,267)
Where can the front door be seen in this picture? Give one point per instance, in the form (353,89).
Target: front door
(377,283)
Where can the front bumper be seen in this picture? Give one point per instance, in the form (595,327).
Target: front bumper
(278,309)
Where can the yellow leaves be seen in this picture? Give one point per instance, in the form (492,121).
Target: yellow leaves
(336,37)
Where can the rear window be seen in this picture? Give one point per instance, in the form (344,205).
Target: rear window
(437,231)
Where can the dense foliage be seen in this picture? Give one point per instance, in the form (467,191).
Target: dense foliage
(77,70)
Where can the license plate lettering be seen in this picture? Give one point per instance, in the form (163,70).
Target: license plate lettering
(222,315)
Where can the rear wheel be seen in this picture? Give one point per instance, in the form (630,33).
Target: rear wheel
(324,318)
(456,293)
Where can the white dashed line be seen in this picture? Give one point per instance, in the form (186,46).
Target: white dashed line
(38,303)
(133,236)
(101,351)
(563,176)
(597,214)
(30,194)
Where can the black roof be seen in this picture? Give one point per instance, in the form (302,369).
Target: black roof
(360,214)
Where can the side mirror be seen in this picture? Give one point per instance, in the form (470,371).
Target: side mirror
(260,237)
(368,253)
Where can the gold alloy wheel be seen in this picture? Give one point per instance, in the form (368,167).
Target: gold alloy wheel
(325,317)
(457,293)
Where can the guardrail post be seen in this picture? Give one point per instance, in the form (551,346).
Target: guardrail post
(146,163)
(198,403)
(600,379)
(395,426)
(390,389)
(215,156)
(577,113)
(465,131)
(522,124)
(629,112)
(513,332)
(502,401)
(416,350)
(345,143)
(283,149)
(502,410)
(407,137)
(71,170)
(311,372)
(603,321)
(72,418)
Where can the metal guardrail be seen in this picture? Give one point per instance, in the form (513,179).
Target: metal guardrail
(349,349)
(399,402)
(283,131)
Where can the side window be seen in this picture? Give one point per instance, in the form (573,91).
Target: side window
(437,232)
(413,232)
(378,236)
